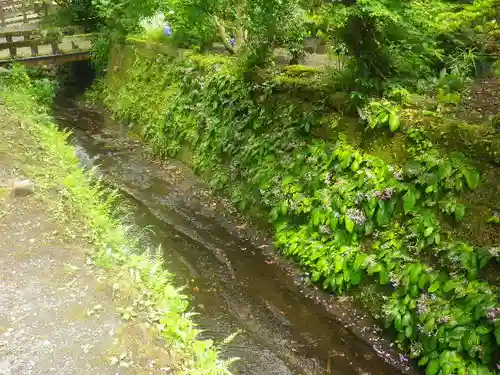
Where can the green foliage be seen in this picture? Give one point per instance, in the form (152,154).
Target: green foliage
(472,25)
(496,69)
(41,90)
(386,38)
(348,218)
(494,219)
(256,26)
(398,94)
(382,42)
(124,16)
(382,113)
(77,12)
(407,42)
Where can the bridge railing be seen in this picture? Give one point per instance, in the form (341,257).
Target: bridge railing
(23,37)
(35,46)
(30,38)
(16,12)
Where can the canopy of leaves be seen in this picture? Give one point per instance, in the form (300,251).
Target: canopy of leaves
(383,40)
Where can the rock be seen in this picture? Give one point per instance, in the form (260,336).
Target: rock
(22,188)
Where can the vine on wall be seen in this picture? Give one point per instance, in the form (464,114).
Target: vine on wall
(349,218)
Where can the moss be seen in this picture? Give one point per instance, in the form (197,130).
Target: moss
(390,147)
(163,48)
(208,60)
(301,71)
(298,82)
(479,142)
(480,204)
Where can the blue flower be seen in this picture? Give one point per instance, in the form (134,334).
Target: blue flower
(167,30)
(232,41)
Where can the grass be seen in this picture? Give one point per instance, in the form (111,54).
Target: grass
(78,200)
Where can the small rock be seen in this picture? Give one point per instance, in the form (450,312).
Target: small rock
(22,188)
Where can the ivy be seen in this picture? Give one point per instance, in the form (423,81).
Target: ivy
(347,217)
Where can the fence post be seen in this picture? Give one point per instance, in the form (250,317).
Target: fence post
(28,36)
(55,48)
(12,50)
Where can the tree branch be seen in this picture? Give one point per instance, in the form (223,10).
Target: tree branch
(223,34)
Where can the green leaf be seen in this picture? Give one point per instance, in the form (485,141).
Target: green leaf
(339,280)
(423,361)
(382,214)
(415,272)
(316,217)
(394,121)
(409,200)
(429,325)
(274,214)
(449,286)
(356,277)
(428,231)
(339,262)
(483,330)
(434,287)
(472,178)
(459,211)
(398,323)
(369,227)
(497,333)
(437,238)
(349,224)
(432,367)
(383,118)
(445,170)
(433,342)
(469,340)
(333,222)
(358,262)
(408,331)
(422,280)
(414,291)
(374,268)
(383,277)
(284,207)
(406,321)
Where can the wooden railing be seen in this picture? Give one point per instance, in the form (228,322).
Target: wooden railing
(15,12)
(31,38)
(22,38)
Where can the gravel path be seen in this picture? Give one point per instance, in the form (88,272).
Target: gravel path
(58,314)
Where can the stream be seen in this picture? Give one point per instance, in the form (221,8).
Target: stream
(233,277)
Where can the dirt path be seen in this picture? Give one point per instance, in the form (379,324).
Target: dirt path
(59,315)
(482,100)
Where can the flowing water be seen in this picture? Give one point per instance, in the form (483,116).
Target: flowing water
(229,270)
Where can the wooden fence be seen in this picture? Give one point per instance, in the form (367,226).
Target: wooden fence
(16,12)
(32,46)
